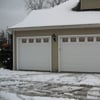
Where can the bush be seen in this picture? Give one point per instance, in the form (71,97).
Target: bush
(6,58)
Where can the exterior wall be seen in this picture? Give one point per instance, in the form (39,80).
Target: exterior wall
(57,32)
(90,4)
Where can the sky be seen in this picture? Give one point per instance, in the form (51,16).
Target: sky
(11,12)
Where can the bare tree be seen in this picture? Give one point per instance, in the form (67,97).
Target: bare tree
(1,34)
(40,4)
(34,4)
(56,2)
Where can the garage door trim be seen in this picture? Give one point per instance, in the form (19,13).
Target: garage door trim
(18,55)
(95,43)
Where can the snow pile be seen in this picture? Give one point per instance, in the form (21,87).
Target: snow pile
(59,16)
(12,96)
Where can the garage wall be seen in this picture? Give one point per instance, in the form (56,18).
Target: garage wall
(54,44)
(39,33)
(90,4)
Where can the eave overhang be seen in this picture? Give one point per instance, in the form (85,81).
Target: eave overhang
(55,27)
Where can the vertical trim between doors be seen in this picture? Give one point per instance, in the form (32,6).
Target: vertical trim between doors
(59,53)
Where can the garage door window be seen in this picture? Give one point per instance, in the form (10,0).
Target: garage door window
(81,39)
(90,39)
(24,40)
(31,40)
(73,39)
(98,39)
(64,39)
(45,40)
(38,40)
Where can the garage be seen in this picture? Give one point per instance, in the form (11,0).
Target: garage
(34,53)
(80,53)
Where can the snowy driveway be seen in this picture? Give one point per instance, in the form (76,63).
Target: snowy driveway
(25,85)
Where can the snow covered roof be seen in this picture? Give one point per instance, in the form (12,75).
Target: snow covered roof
(61,15)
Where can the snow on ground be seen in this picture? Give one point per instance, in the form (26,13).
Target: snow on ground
(11,96)
(64,78)
(30,85)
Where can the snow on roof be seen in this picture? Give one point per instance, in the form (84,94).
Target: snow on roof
(59,16)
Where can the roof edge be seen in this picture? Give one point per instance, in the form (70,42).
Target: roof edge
(55,27)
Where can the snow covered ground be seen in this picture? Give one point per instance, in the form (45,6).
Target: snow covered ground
(30,85)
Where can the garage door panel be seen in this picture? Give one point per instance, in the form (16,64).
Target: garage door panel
(77,60)
(83,69)
(36,55)
(79,56)
(81,49)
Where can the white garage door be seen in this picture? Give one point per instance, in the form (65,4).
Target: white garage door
(34,53)
(79,53)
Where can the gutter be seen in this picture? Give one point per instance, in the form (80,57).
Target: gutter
(55,27)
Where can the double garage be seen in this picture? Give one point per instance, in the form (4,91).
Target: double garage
(78,53)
